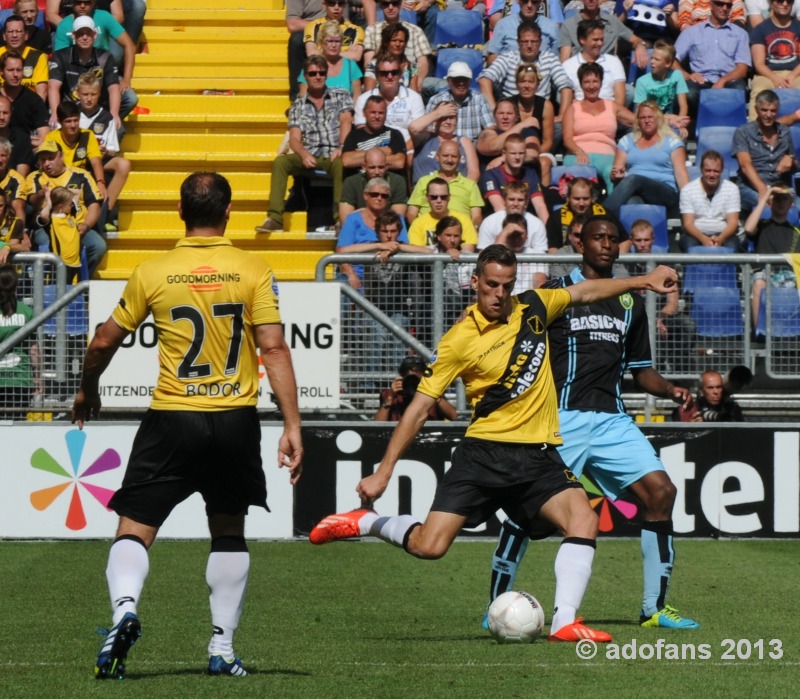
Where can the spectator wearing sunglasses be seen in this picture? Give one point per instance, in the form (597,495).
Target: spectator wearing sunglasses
(418,48)
(714,54)
(319,122)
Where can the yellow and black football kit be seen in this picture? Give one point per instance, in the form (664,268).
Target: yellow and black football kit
(206,297)
(505,368)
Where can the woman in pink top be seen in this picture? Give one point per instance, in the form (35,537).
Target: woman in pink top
(590,125)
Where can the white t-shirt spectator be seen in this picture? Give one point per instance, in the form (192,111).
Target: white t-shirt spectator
(613,72)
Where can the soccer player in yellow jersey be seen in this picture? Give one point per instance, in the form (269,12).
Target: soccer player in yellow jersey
(508,458)
(213,305)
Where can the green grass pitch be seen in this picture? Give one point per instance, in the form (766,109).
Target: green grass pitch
(364,620)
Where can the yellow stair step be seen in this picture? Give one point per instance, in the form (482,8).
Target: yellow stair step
(269,37)
(179,54)
(199,84)
(180,17)
(214,106)
(151,222)
(224,71)
(230,5)
(189,144)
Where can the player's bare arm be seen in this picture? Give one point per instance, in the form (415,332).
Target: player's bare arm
(104,345)
(278,363)
(651,381)
(372,487)
(663,280)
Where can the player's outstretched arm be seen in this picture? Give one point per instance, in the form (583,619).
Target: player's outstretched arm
(651,381)
(663,280)
(105,343)
(372,487)
(278,363)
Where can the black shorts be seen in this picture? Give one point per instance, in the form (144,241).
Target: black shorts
(180,452)
(488,476)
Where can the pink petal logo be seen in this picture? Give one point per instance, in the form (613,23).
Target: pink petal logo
(42,460)
(599,502)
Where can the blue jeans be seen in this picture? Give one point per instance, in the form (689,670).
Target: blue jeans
(134,18)
(92,242)
(635,189)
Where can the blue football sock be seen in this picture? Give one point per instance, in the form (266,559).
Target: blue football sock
(511,547)
(658,556)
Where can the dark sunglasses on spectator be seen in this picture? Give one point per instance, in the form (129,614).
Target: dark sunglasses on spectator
(529,2)
(379,195)
(316,73)
(81,2)
(388,73)
(393,3)
(722,4)
(438,196)
(331,3)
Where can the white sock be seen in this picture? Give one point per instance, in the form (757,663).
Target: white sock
(127,569)
(226,575)
(393,530)
(573,569)
(366,522)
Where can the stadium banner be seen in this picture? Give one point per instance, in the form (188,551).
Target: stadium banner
(59,480)
(310,313)
(732,481)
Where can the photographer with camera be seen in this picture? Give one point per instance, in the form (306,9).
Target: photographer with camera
(395,400)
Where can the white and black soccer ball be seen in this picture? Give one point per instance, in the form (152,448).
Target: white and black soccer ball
(516,617)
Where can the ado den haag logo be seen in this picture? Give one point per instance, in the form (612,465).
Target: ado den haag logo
(41,459)
(600,503)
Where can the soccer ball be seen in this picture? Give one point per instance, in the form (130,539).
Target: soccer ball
(515,617)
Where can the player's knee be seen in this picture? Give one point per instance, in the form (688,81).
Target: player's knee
(421,545)
(661,497)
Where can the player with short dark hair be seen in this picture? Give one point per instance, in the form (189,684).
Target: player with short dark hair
(591,346)
(201,433)
(508,458)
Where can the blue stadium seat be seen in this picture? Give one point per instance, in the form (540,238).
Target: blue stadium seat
(720,139)
(721,107)
(405,16)
(472,57)
(458,29)
(783,319)
(795,131)
(718,312)
(698,278)
(792,217)
(655,214)
(790,100)
(77,314)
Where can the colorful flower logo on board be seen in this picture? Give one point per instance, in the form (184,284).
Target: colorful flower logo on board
(41,459)
(603,505)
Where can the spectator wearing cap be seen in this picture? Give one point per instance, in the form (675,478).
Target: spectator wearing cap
(34,62)
(106,28)
(68,64)
(474,112)
(28,112)
(319,122)
(395,399)
(54,172)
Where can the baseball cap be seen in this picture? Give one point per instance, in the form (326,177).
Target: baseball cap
(459,69)
(409,364)
(48,147)
(84,22)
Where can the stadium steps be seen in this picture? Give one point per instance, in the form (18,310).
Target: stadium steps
(235,49)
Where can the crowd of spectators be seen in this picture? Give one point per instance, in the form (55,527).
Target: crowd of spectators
(606,85)
(65,89)
(565,110)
